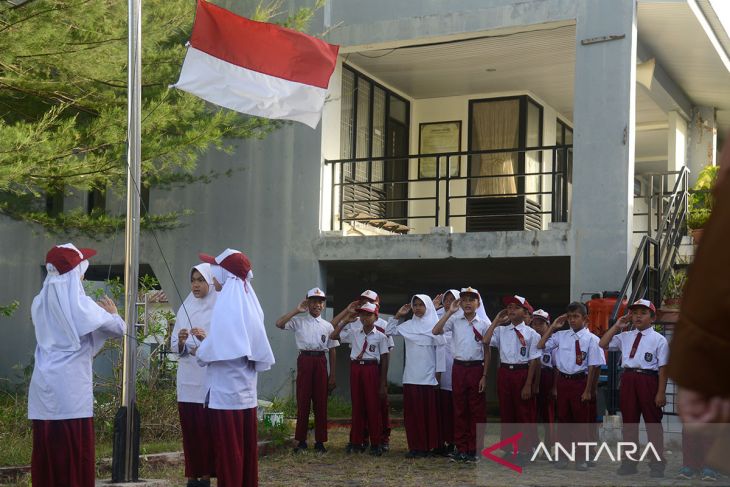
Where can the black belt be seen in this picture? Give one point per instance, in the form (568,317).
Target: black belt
(579,375)
(468,363)
(643,371)
(365,362)
(514,366)
(312,353)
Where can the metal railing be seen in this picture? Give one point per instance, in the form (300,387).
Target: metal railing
(393,193)
(649,273)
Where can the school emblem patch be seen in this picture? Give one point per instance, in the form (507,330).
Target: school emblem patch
(523,351)
(371,348)
(546,358)
(648,356)
(324,338)
(583,356)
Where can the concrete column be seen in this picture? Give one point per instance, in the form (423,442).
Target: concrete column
(603,168)
(702,150)
(676,142)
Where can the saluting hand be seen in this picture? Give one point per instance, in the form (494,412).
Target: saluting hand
(502,318)
(198,333)
(107,304)
(352,307)
(182,335)
(559,322)
(303,307)
(217,285)
(438,300)
(624,322)
(455,305)
(403,311)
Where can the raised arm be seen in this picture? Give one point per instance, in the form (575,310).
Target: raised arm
(559,321)
(499,320)
(618,327)
(438,328)
(301,308)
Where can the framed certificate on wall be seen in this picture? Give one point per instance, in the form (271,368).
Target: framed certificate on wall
(438,137)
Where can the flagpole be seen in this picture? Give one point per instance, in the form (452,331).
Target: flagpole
(125,456)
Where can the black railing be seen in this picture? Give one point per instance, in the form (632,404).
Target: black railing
(650,270)
(382,191)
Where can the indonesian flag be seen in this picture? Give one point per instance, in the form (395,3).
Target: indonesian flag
(256,68)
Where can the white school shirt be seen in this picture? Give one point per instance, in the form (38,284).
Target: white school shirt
(464,344)
(377,342)
(651,353)
(312,334)
(62,383)
(232,384)
(422,361)
(380,325)
(192,378)
(511,350)
(563,343)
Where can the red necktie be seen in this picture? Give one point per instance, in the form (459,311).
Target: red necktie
(380,329)
(578,353)
(477,336)
(520,337)
(362,352)
(635,345)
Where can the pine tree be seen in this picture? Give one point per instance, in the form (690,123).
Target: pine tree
(63,105)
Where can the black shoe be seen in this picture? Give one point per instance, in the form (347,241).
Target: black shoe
(521,459)
(458,457)
(581,466)
(376,450)
(365,444)
(385,447)
(450,448)
(349,448)
(204,483)
(319,447)
(470,457)
(302,446)
(412,454)
(561,464)
(591,463)
(192,483)
(627,468)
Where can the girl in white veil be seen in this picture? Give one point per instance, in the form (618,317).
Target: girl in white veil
(70,329)
(235,350)
(191,326)
(419,374)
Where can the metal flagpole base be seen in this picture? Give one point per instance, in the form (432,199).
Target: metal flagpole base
(120,449)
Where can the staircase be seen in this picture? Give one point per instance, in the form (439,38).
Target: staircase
(651,268)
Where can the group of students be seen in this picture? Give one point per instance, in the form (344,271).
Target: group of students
(222,344)
(548,374)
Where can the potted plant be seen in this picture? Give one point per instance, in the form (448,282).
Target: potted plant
(701,201)
(672,297)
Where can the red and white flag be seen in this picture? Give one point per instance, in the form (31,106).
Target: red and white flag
(256,68)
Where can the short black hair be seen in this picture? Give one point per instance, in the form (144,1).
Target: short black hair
(577,306)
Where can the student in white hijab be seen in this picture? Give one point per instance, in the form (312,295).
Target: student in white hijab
(235,350)
(191,327)
(70,329)
(419,375)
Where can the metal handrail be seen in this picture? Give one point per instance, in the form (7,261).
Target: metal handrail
(651,267)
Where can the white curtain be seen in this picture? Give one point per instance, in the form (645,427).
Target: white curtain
(495,125)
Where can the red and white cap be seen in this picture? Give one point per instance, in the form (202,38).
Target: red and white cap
(644,303)
(234,261)
(470,290)
(519,301)
(541,313)
(369,295)
(369,308)
(65,257)
(316,293)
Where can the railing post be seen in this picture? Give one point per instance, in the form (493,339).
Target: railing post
(447,203)
(438,183)
(342,195)
(565,186)
(332,197)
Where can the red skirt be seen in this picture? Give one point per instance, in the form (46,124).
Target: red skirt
(234,434)
(63,453)
(199,456)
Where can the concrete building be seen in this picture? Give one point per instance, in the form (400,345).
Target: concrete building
(542,120)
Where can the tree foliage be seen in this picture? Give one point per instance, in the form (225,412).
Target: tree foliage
(63,105)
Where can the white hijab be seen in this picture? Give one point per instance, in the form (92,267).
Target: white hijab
(237,324)
(196,312)
(418,329)
(62,313)
(481,312)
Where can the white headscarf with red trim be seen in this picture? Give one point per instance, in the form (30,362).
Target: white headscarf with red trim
(237,324)
(62,313)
